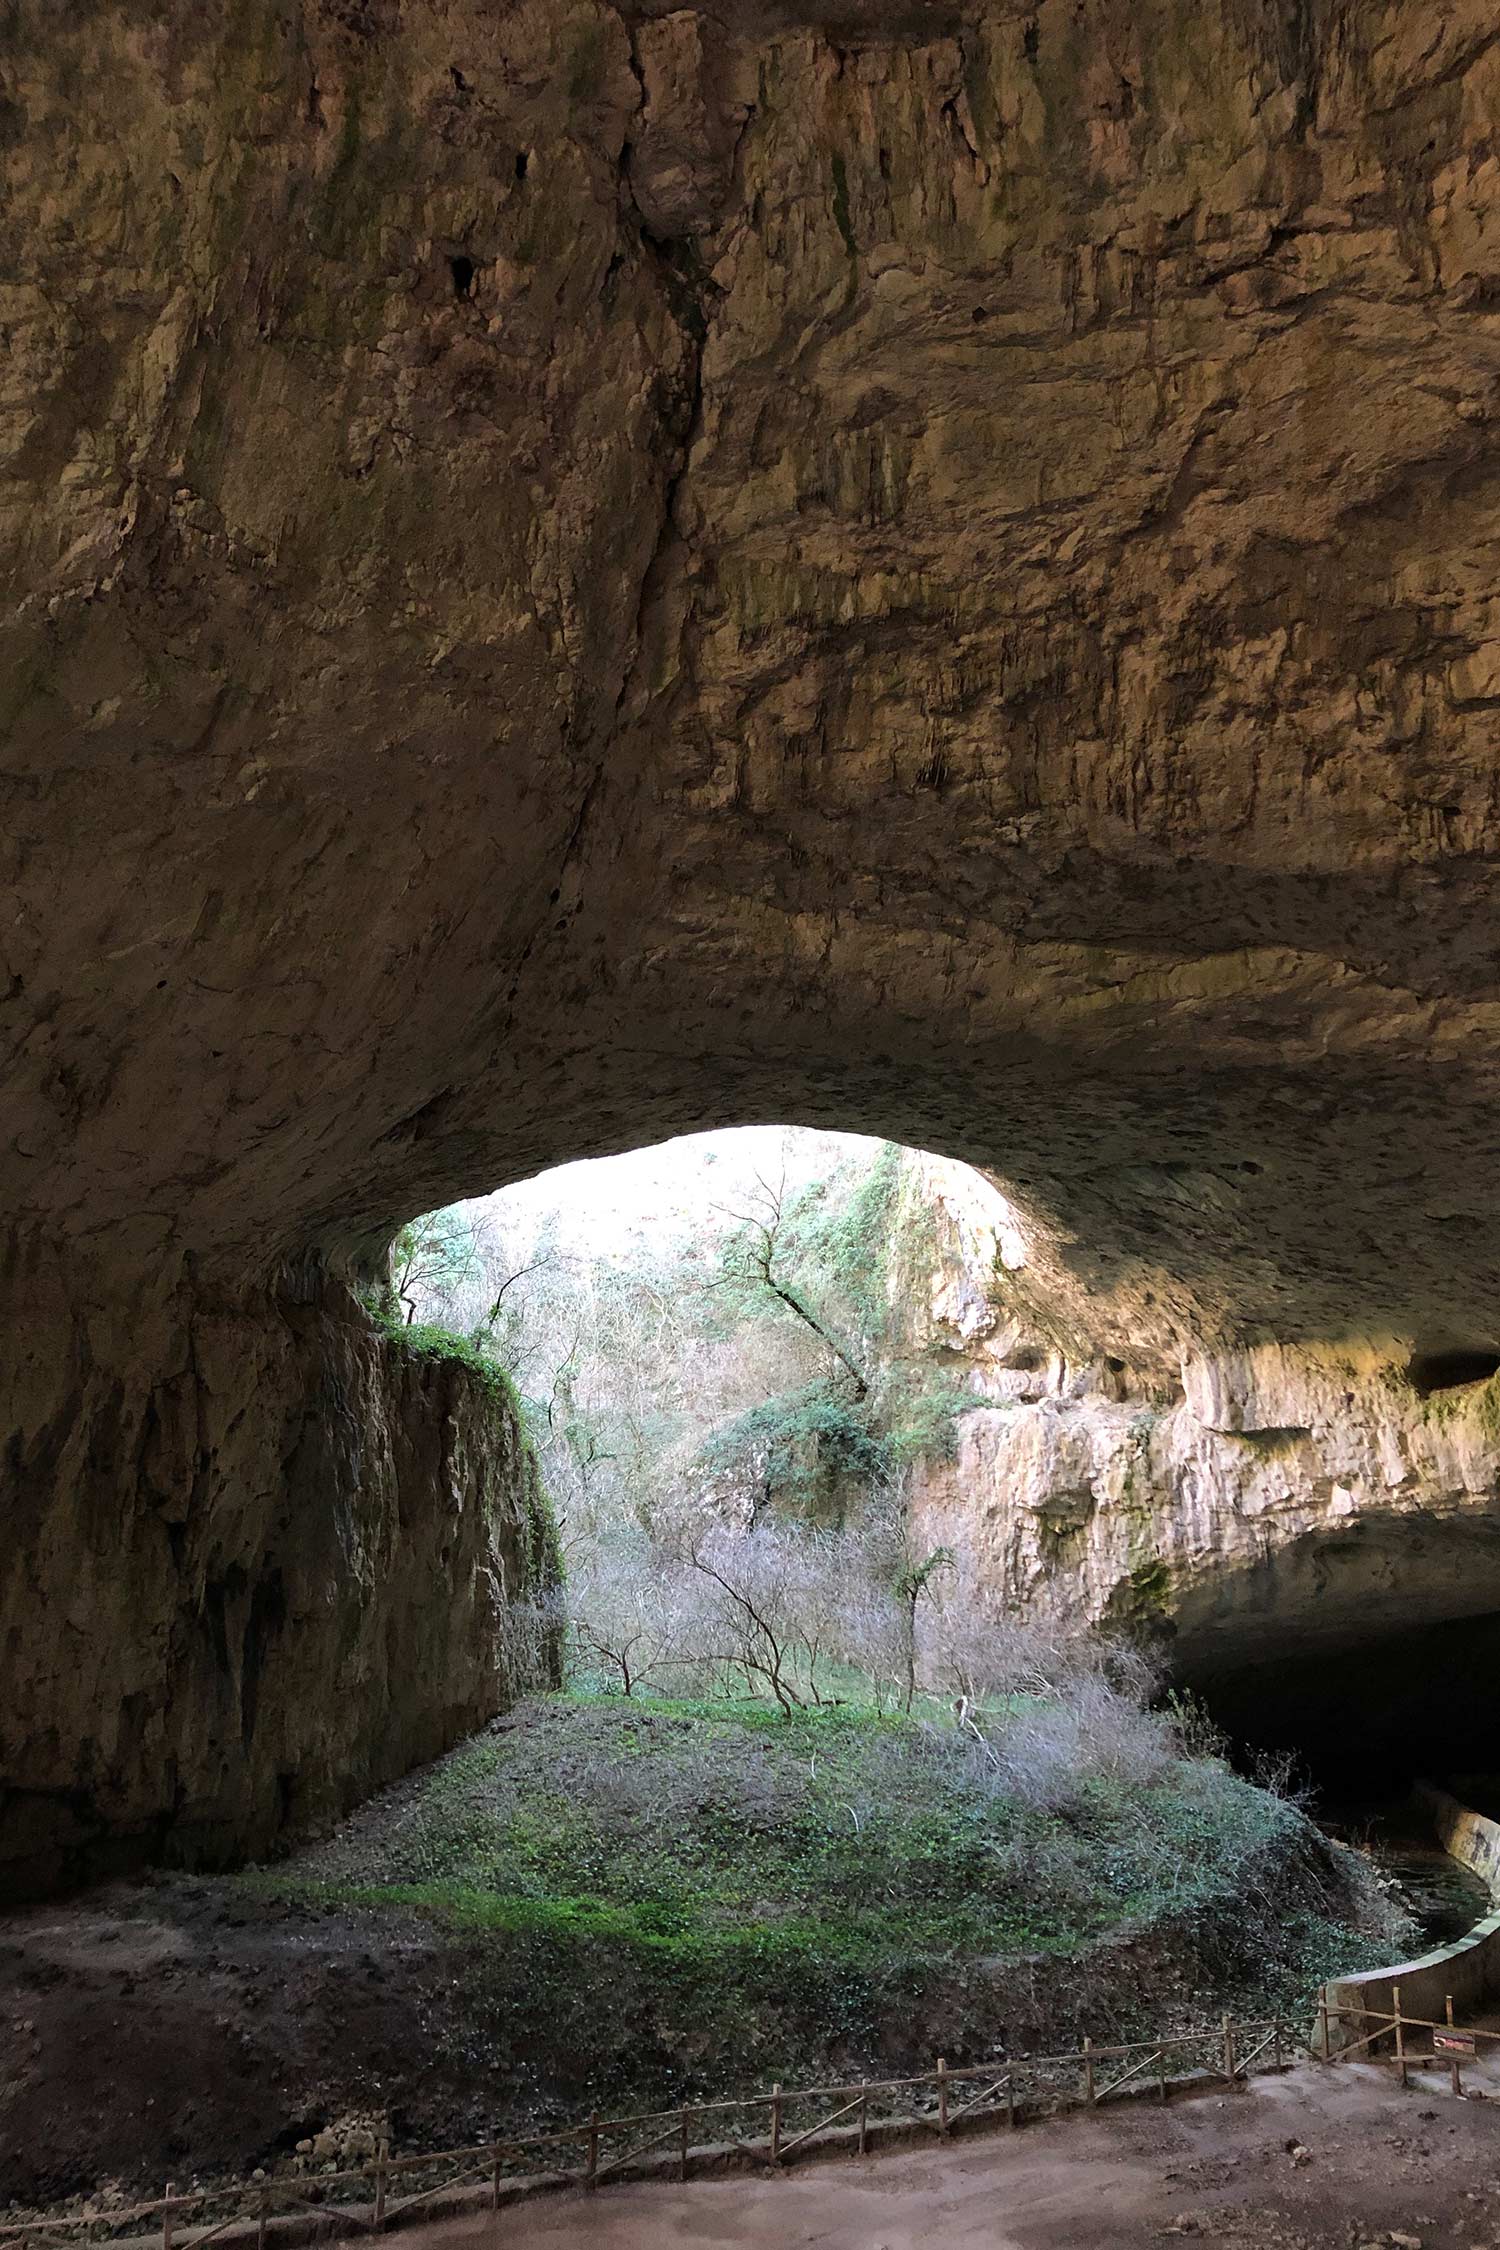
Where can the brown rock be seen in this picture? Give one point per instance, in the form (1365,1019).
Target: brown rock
(995,645)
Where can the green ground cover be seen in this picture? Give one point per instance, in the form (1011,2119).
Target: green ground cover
(693,1895)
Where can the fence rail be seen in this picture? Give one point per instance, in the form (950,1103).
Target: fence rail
(369,2196)
(1450,2041)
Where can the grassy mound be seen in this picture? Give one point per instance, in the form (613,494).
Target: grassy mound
(667,1900)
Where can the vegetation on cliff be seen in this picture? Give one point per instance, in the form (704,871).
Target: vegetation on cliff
(752,1340)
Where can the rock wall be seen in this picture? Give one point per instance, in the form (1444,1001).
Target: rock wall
(257,1565)
(1245,1510)
(569,573)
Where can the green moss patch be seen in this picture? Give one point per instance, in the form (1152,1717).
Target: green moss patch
(707,1893)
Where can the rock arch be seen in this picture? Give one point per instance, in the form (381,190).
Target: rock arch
(936,576)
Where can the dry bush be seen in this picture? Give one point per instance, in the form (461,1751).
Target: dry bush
(1047,1754)
(634,1610)
(764,1600)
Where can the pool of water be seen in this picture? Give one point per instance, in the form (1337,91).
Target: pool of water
(1443,1898)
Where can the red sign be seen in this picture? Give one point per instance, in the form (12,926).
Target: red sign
(1455,2043)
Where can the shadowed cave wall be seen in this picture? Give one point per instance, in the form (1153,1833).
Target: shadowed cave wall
(255,1568)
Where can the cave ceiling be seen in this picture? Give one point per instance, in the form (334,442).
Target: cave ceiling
(567,576)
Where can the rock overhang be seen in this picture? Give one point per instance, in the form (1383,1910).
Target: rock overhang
(460,729)
(987,636)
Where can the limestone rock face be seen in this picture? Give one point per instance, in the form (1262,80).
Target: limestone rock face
(1273,1505)
(570,574)
(250,1593)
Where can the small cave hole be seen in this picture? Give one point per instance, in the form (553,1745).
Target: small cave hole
(523,162)
(1428,1372)
(1282,1440)
(980,313)
(301,2128)
(462,270)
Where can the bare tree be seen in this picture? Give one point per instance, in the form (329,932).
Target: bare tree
(752,1627)
(432,1261)
(756,1255)
(631,1612)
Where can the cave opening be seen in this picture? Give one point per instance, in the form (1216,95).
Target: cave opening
(1375,1714)
(1362,1645)
(1363,1648)
(1432,1372)
(753,1293)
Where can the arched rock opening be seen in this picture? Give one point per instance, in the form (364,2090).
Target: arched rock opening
(706,674)
(1372,1651)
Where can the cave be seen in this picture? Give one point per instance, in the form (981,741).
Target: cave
(1371,1653)
(1431,1372)
(441,739)
(1369,1718)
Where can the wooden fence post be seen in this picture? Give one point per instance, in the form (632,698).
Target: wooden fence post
(1400,2034)
(1455,2068)
(942,2075)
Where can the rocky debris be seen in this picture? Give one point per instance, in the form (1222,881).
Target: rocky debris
(338,2147)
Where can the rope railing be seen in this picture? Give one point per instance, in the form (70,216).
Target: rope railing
(368,2196)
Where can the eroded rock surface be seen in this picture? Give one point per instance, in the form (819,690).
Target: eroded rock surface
(566,576)
(237,1599)
(1277,1523)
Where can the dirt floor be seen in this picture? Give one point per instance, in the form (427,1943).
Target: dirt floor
(236,2032)
(154,2021)
(1316,2159)
(246,2027)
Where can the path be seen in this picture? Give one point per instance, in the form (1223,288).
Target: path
(1376,2166)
